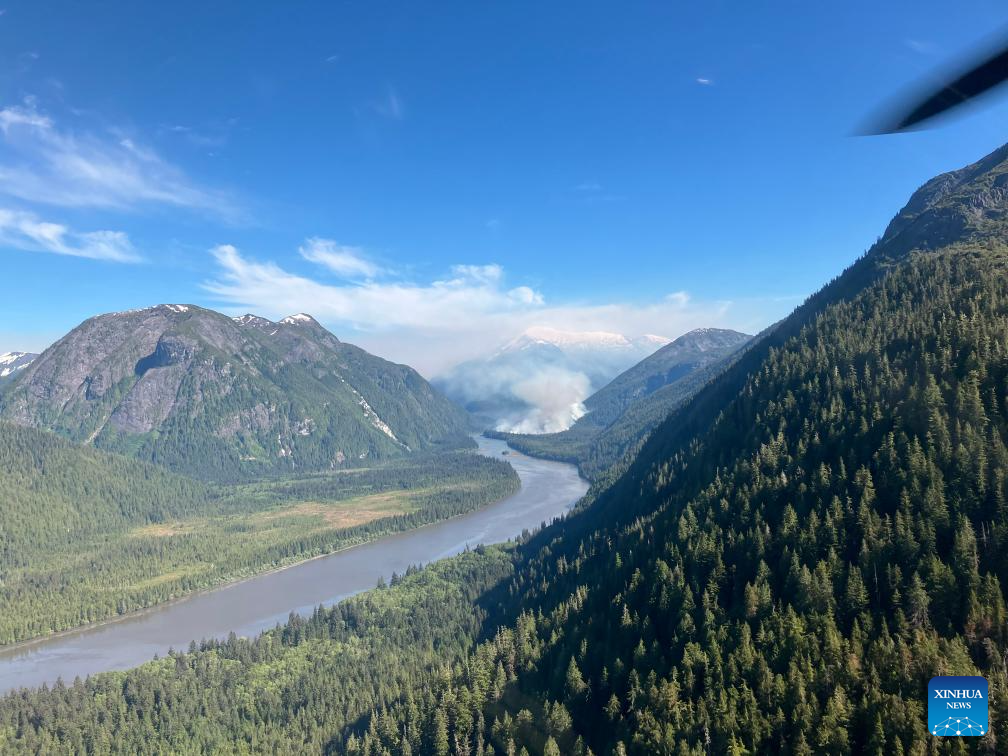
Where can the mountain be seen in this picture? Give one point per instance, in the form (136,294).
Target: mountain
(797,550)
(670,364)
(536,382)
(217,397)
(783,566)
(11,363)
(591,342)
(624,411)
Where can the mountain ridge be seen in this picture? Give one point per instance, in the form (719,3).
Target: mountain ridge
(818,531)
(620,414)
(204,393)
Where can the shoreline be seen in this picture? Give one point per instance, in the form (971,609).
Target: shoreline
(11,650)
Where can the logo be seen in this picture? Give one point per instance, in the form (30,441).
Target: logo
(957,706)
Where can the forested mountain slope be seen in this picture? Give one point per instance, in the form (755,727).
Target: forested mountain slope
(676,360)
(228,398)
(623,412)
(794,554)
(788,560)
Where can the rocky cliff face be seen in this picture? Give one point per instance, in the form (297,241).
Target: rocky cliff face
(955,206)
(227,397)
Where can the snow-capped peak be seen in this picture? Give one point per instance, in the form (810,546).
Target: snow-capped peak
(299,318)
(567,339)
(582,340)
(650,338)
(12,362)
(252,320)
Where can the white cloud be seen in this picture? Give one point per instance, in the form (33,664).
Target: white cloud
(486,274)
(368,306)
(391,106)
(42,163)
(437,324)
(24,230)
(10,117)
(340,259)
(703,81)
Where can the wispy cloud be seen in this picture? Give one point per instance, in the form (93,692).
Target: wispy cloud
(469,311)
(348,262)
(921,47)
(390,105)
(592,192)
(704,81)
(213,134)
(43,163)
(24,230)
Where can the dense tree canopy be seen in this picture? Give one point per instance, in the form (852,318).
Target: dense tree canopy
(86,535)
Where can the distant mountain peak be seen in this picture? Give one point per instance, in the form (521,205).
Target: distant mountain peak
(579,340)
(650,338)
(256,321)
(300,319)
(706,338)
(13,362)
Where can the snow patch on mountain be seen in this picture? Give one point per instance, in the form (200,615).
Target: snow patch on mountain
(253,320)
(371,415)
(13,362)
(299,318)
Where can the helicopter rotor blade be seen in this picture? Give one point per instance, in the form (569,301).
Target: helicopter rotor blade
(979,79)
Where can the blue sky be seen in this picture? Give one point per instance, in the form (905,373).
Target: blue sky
(429,179)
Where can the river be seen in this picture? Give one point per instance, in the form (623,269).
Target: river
(548,489)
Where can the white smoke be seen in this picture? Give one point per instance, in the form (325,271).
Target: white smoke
(554,397)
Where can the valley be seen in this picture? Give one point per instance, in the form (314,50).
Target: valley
(503,379)
(621,414)
(120,536)
(548,490)
(815,529)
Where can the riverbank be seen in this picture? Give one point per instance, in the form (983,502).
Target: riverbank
(247,607)
(70,580)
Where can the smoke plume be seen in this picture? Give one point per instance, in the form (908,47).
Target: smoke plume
(554,398)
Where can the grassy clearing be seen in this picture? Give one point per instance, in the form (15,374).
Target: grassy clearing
(68,579)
